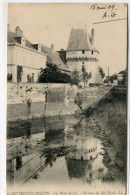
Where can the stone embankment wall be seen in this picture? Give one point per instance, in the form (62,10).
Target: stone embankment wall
(60,100)
(89,97)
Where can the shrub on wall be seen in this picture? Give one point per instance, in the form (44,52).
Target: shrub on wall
(9,77)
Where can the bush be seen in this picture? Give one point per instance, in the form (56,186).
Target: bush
(9,77)
(52,74)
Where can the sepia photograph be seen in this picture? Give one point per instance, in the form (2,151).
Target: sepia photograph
(67,99)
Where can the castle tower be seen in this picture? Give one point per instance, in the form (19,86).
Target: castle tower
(81,53)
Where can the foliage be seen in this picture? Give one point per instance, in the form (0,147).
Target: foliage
(113,77)
(110,78)
(101,72)
(95,84)
(124,77)
(79,101)
(29,78)
(9,77)
(85,75)
(52,74)
(75,77)
(19,73)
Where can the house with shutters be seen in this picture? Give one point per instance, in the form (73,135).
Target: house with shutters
(24,59)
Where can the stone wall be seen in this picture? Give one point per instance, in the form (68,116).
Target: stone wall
(60,100)
(19,93)
(89,97)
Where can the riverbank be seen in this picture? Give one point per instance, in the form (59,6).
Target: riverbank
(111,117)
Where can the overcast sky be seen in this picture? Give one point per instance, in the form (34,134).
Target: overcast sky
(51,23)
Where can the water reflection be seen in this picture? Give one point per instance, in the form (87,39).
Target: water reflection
(73,144)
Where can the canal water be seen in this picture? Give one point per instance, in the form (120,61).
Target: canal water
(69,151)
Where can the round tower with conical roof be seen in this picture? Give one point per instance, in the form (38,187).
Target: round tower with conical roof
(82,54)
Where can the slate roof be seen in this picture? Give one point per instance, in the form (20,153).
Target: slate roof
(54,57)
(14,38)
(80,40)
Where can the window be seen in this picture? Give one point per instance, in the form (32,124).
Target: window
(82,62)
(92,52)
(83,68)
(83,52)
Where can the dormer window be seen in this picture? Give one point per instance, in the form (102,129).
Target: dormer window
(37,47)
(23,41)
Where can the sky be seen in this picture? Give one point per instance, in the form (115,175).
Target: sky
(48,24)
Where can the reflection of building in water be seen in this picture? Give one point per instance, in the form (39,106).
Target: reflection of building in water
(80,169)
(21,168)
(80,159)
(84,149)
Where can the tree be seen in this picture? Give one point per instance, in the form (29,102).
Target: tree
(101,72)
(9,77)
(52,74)
(110,78)
(75,77)
(86,76)
(124,77)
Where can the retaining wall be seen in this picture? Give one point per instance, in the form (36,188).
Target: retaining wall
(60,100)
(89,97)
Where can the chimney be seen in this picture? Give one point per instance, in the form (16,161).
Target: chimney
(52,47)
(8,27)
(92,36)
(18,31)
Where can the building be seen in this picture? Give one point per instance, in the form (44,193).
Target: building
(82,54)
(24,58)
(84,150)
(56,58)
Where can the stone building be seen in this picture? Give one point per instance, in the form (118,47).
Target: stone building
(24,58)
(81,53)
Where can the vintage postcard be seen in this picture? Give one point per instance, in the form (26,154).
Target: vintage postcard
(67,98)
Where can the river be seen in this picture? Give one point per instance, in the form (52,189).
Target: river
(71,151)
